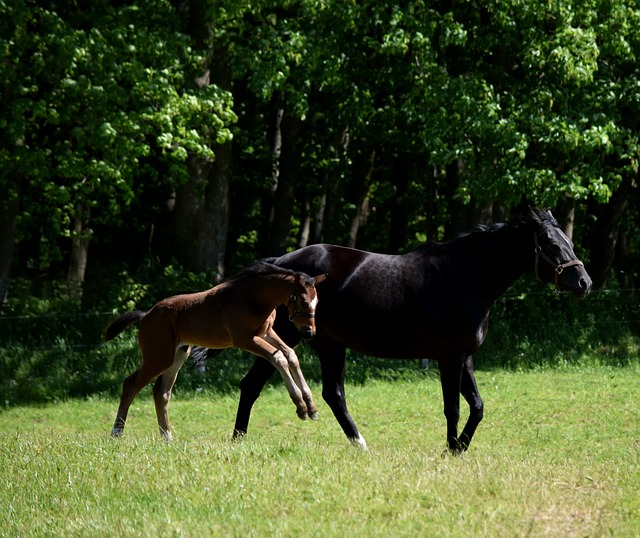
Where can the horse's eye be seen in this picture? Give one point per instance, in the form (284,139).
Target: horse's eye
(293,299)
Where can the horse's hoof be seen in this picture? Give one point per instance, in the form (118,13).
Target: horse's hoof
(359,442)
(238,436)
(303,415)
(455,452)
(314,416)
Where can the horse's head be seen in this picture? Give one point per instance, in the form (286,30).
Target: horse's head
(303,302)
(555,260)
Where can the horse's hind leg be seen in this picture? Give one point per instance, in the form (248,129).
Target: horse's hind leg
(332,357)
(250,388)
(162,390)
(296,373)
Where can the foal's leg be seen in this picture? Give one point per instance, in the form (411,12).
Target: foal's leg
(469,389)
(450,379)
(259,346)
(131,386)
(296,373)
(162,390)
(157,355)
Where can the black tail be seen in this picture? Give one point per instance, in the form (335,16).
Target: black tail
(121,323)
(201,354)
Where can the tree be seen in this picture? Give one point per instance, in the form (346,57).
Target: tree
(91,95)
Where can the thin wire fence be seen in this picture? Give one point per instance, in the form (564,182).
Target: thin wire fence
(617,309)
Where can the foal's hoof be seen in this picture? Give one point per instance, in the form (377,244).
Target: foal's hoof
(314,415)
(302,415)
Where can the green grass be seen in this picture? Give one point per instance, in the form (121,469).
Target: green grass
(558,454)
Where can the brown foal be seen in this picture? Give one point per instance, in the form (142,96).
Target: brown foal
(237,313)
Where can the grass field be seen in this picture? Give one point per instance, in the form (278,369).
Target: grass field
(558,454)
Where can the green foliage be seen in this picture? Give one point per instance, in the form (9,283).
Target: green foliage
(533,329)
(89,97)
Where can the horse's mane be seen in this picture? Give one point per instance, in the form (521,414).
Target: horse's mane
(484,231)
(437,247)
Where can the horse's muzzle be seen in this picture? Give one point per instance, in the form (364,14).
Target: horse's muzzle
(307,333)
(583,286)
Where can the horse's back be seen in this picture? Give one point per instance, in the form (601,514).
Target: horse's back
(379,304)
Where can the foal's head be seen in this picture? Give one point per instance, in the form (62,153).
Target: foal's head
(303,302)
(555,260)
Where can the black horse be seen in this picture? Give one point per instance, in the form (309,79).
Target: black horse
(431,303)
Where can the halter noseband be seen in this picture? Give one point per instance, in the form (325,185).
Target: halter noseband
(557,268)
(298,312)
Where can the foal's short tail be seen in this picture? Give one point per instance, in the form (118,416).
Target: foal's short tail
(121,323)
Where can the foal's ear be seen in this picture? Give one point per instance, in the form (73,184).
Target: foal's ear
(320,278)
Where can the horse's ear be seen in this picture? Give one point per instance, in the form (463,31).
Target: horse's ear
(549,214)
(320,278)
(534,214)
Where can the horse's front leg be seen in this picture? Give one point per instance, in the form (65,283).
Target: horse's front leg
(259,346)
(469,389)
(450,379)
(296,373)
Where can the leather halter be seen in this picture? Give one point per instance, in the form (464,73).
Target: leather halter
(298,312)
(558,268)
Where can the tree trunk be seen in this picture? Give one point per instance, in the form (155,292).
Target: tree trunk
(8,217)
(79,252)
(430,204)
(458,212)
(329,220)
(565,214)
(317,223)
(363,166)
(604,237)
(284,177)
(201,215)
(400,205)
(305,222)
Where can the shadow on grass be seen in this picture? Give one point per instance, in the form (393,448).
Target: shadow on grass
(51,358)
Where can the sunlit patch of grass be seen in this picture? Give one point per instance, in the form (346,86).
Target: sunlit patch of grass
(557,455)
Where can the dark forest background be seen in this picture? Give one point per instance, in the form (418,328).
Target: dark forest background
(155,147)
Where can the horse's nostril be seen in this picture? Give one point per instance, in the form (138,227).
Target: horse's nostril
(307,333)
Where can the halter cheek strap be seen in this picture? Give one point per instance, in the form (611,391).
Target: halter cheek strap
(558,268)
(293,315)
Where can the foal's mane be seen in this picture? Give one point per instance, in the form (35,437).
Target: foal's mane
(262,268)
